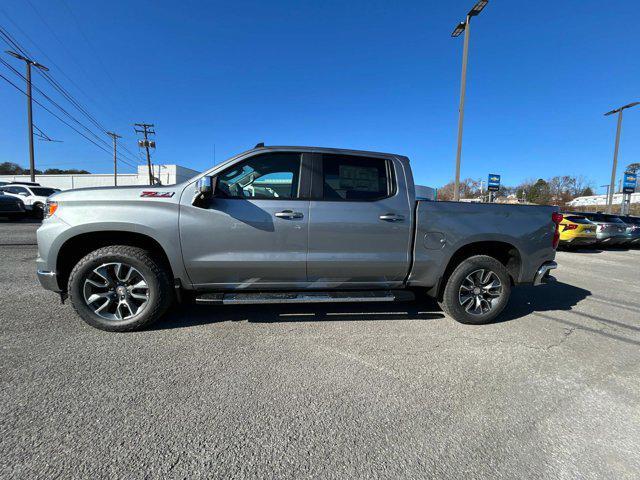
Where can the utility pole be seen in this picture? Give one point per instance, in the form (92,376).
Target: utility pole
(612,184)
(463,27)
(147,129)
(115,137)
(29,63)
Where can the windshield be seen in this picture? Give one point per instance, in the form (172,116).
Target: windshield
(43,191)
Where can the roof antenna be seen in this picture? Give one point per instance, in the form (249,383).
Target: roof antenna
(259,145)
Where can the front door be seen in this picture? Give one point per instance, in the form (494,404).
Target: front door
(253,233)
(360,228)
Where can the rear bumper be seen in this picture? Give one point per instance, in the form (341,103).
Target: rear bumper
(612,240)
(542,275)
(633,239)
(579,241)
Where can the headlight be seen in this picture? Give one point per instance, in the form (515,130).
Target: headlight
(50,208)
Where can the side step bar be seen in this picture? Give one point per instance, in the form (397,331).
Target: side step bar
(249,298)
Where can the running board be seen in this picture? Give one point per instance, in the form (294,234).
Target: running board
(293,297)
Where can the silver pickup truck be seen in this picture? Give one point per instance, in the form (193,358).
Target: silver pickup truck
(287,224)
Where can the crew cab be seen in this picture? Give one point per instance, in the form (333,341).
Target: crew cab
(288,224)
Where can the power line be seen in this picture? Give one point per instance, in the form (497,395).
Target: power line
(43,136)
(125,158)
(48,77)
(63,110)
(11,41)
(52,62)
(63,121)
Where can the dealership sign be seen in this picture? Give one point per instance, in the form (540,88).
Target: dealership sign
(494,182)
(629,183)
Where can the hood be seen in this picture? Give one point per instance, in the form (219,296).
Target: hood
(116,194)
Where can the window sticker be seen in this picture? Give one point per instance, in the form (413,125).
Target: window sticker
(364,179)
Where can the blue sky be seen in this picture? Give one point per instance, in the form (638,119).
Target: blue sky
(359,74)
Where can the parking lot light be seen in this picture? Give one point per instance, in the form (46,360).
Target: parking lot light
(477,8)
(457,31)
(615,152)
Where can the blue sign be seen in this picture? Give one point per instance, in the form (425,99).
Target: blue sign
(629,183)
(493,185)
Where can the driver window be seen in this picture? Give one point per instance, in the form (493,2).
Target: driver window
(267,176)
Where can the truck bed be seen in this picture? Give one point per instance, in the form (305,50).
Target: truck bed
(443,229)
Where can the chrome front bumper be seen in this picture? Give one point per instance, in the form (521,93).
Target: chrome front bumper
(542,275)
(48,280)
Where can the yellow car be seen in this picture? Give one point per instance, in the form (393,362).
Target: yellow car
(576,230)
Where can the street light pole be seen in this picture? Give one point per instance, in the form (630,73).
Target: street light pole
(463,88)
(612,184)
(611,188)
(463,27)
(29,62)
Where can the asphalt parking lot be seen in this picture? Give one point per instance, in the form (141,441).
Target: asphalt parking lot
(330,391)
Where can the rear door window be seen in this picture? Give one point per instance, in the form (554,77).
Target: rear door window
(355,178)
(43,191)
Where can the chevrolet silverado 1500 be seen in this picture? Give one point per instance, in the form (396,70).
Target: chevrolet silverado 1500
(287,224)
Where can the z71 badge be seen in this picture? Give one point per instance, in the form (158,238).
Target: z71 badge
(158,194)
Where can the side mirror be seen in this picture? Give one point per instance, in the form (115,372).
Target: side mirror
(206,186)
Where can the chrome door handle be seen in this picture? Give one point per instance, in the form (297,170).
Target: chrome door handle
(391,217)
(289,214)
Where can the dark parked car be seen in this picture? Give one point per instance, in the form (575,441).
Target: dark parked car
(11,207)
(633,229)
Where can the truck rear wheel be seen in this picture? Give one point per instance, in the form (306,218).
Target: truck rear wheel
(477,291)
(120,288)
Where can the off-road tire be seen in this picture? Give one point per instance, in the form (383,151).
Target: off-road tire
(161,294)
(450,302)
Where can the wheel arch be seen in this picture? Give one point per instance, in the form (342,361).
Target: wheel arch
(506,253)
(76,247)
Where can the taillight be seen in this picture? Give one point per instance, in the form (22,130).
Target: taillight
(50,208)
(556,218)
(570,226)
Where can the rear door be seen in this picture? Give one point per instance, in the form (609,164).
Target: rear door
(360,222)
(253,232)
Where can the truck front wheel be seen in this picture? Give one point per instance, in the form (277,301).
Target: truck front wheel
(120,288)
(477,290)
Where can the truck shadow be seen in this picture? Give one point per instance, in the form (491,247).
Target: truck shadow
(524,300)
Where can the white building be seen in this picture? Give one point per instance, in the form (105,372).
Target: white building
(166,174)
(593,200)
